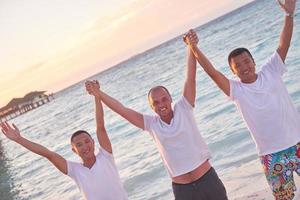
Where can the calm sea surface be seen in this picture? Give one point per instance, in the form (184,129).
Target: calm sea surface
(24,175)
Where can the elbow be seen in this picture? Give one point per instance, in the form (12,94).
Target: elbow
(50,155)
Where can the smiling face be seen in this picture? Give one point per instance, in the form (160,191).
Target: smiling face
(243,66)
(83,145)
(161,103)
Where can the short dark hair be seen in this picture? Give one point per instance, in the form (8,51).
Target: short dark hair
(237,52)
(156,87)
(78,133)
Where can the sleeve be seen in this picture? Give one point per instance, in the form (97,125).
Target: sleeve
(71,166)
(105,153)
(183,103)
(275,65)
(234,89)
(148,121)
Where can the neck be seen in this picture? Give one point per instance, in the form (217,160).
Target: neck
(89,162)
(251,80)
(167,118)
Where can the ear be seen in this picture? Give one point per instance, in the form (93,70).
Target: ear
(152,107)
(232,69)
(150,103)
(74,150)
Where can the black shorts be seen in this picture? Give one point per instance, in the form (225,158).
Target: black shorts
(207,187)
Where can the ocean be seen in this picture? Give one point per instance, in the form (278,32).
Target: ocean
(257,26)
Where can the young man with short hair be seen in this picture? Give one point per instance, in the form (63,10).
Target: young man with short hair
(264,102)
(97,176)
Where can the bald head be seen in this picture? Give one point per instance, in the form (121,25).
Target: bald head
(157,89)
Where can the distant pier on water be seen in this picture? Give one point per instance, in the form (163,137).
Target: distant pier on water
(19,106)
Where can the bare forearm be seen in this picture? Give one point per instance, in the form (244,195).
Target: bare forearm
(286,37)
(112,103)
(219,78)
(132,116)
(102,136)
(99,113)
(190,82)
(203,61)
(34,147)
(192,63)
(59,162)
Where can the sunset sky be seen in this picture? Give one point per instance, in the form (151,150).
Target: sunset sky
(49,45)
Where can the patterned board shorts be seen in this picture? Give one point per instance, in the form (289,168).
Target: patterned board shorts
(279,168)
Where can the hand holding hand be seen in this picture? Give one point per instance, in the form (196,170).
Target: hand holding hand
(191,38)
(92,87)
(288,6)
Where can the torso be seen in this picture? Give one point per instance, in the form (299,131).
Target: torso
(193,175)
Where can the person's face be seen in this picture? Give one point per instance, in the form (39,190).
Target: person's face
(244,67)
(83,145)
(161,102)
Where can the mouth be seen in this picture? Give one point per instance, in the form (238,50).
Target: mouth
(163,109)
(246,72)
(86,152)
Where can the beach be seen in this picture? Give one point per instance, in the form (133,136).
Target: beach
(234,155)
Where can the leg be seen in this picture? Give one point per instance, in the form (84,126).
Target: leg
(183,191)
(279,174)
(212,187)
(297,158)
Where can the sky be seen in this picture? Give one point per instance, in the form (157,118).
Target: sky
(50,45)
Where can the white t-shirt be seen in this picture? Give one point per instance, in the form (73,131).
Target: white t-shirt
(101,182)
(180,144)
(267,108)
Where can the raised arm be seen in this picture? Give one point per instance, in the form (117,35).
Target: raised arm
(102,136)
(189,90)
(221,81)
(130,115)
(13,134)
(286,34)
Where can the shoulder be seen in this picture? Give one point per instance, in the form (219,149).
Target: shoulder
(183,103)
(103,153)
(73,167)
(274,65)
(235,88)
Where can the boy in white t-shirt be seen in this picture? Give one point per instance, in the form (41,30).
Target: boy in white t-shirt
(97,176)
(180,144)
(266,106)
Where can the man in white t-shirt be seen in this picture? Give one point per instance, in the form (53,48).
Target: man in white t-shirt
(180,144)
(97,176)
(266,106)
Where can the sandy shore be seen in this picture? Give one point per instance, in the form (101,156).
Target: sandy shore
(247,182)
(267,195)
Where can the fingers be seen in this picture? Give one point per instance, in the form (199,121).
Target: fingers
(185,38)
(280,3)
(92,87)
(287,5)
(191,38)
(4,126)
(15,127)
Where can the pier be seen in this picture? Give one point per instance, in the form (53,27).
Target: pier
(19,106)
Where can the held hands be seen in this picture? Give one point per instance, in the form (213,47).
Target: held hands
(92,87)
(9,132)
(288,6)
(191,38)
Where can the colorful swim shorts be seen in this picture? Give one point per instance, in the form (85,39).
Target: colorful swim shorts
(279,168)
